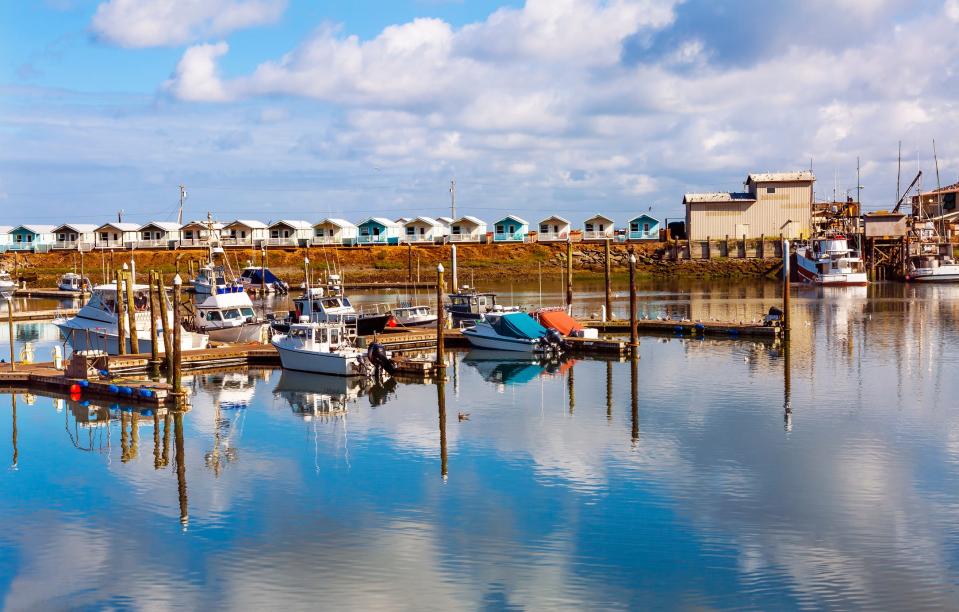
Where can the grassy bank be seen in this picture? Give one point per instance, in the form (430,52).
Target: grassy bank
(483,262)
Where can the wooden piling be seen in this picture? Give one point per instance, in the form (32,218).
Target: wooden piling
(633,342)
(180,459)
(609,390)
(441,406)
(440,324)
(118,306)
(569,275)
(165,317)
(154,343)
(13,353)
(131,312)
(786,272)
(263,271)
(177,353)
(571,389)
(607,277)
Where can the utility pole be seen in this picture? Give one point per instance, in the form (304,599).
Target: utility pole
(453,199)
(179,215)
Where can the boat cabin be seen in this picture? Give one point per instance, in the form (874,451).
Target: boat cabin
(322,337)
(228,306)
(103,303)
(470,305)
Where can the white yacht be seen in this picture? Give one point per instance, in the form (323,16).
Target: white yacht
(932,263)
(95,326)
(512,331)
(413,316)
(321,348)
(829,260)
(227,315)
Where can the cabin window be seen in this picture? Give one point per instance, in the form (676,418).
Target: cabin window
(499,229)
(589,227)
(602,227)
(62,237)
(247,312)
(213,315)
(286,233)
(409,231)
(512,229)
(364,231)
(770,190)
(334,336)
(634,226)
(146,235)
(482,301)
(104,236)
(274,233)
(321,335)
(422,231)
(455,230)
(376,231)
(544,228)
(231,314)
(460,301)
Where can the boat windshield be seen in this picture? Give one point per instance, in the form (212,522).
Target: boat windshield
(301,333)
(232,313)
(247,311)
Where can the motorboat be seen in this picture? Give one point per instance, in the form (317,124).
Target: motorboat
(829,260)
(413,316)
(71,281)
(330,305)
(513,331)
(227,315)
(253,278)
(325,348)
(468,305)
(7,284)
(210,278)
(558,319)
(94,327)
(932,263)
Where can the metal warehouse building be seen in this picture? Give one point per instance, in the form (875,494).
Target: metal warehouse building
(773,204)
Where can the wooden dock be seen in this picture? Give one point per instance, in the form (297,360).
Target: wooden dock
(44,377)
(693,328)
(42,315)
(41,292)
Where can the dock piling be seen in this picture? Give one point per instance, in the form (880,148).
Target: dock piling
(608,273)
(165,318)
(634,399)
(13,353)
(154,344)
(440,324)
(569,275)
(441,406)
(177,353)
(633,342)
(786,273)
(121,324)
(131,310)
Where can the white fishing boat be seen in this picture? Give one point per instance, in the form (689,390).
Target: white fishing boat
(227,315)
(211,277)
(829,260)
(512,331)
(95,326)
(932,269)
(321,348)
(71,281)
(7,284)
(329,304)
(413,316)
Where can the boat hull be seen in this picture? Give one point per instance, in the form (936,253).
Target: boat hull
(105,338)
(426,322)
(807,272)
(500,343)
(320,363)
(248,332)
(946,277)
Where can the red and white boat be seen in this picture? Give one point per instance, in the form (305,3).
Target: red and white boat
(829,260)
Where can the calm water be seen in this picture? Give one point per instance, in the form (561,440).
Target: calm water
(734,476)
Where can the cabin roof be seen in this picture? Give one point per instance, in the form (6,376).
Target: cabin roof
(203,224)
(445,220)
(470,219)
(699,198)
(36,229)
(6,229)
(293,223)
(519,220)
(597,217)
(555,218)
(167,226)
(427,220)
(644,216)
(80,228)
(781,177)
(380,221)
(123,227)
(341,223)
(250,223)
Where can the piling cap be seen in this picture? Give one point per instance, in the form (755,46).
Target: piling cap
(439,267)
(125,267)
(306,260)
(177,281)
(632,258)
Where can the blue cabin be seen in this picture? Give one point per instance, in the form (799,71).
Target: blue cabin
(378,230)
(510,229)
(34,238)
(643,227)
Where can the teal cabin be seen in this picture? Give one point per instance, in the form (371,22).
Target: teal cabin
(33,238)
(510,229)
(378,230)
(643,227)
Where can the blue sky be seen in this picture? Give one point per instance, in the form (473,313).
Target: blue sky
(301,109)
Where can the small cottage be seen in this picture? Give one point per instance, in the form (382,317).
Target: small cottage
(468,229)
(74,236)
(244,233)
(200,233)
(643,227)
(290,233)
(598,227)
(334,231)
(5,237)
(378,230)
(510,229)
(158,235)
(34,238)
(423,229)
(116,235)
(552,229)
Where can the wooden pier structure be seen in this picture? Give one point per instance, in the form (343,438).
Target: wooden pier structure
(694,328)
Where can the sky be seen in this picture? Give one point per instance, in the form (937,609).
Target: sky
(303,109)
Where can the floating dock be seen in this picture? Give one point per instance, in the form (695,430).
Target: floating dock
(692,328)
(49,293)
(41,315)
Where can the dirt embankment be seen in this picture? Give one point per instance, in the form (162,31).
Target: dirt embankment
(483,261)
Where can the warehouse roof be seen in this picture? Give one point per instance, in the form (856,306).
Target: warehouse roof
(780,177)
(690,198)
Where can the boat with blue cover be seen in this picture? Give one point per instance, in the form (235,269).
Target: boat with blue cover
(513,331)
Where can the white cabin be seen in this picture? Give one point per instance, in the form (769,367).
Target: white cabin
(333,231)
(553,228)
(74,236)
(468,229)
(290,233)
(245,233)
(158,235)
(116,235)
(200,233)
(423,230)
(599,227)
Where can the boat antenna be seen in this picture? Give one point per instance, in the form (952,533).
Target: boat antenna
(935,157)
(179,214)
(899,172)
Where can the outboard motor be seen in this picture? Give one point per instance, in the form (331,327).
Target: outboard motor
(376,353)
(557,340)
(774,317)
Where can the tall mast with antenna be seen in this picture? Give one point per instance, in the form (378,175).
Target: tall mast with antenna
(899,173)
(935,157)
(179,215)
(453,199)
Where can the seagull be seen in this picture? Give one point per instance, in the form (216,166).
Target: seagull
(463,416)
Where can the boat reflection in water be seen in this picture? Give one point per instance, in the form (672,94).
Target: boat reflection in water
(510,368)
(322,396)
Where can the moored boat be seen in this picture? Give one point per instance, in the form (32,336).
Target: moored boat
(467,305)
(228,316)
(330,305)
(71,281)
(829,260)
(321,348)
(413,316)
(253,278)
(513,331)
(7,284)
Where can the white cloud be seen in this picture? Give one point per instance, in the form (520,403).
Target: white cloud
(157,23)
(197,77)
